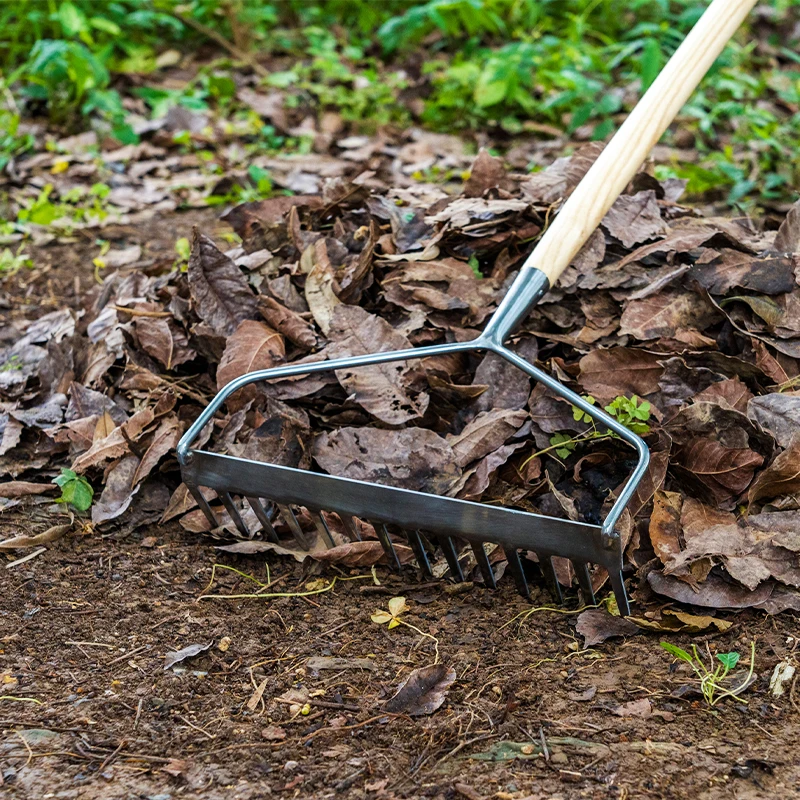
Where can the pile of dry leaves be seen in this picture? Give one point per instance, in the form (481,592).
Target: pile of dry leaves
(698,316)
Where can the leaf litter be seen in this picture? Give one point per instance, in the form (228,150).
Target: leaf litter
(699,317)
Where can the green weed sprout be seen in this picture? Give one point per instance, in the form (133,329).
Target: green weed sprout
(75,490)
(711,678)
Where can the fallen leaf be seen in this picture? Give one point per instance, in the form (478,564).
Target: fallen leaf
(634,218)
(485,433)
(423,691)
(596,625)
(116,443)
(36,540)
(288,323)
(714,592)
(665,525)
(664,314)
(361,554)
(641,708)
(118,491)
(319,288)
(218,287)
(486,172)
(606,374)
(412,458)
(725,472)
(787,240)
(190,651)
(253,346)
(778,413)
(164,340)
(731,393)
(381,389)
(674,621)
(24,488)
(165,439)
(782,476)
(734,269)
(273,733)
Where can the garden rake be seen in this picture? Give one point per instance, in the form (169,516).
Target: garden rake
(277,491)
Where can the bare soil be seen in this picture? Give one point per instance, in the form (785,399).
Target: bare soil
(88,710)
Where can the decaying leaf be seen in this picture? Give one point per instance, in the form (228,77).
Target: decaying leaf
(423,691)
(596,625)
(634,218)
(782,476)
(190,651)
(412,458)
(665,525)
(219,289)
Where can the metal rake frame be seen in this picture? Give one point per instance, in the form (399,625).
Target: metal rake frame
(420,513)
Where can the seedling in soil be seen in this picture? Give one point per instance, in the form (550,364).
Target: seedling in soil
(711,678)
(75,490)
(391,618)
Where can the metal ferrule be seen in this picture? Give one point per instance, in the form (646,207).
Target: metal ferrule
(529,287)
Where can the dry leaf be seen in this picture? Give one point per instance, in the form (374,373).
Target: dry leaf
(596,625)
(423,691)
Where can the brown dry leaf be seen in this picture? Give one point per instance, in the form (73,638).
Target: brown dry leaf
(361,554)
(412,458)
(732,269)
(714,592)
(253,346)
(730,392)
(24,488)
(665,525)
(725,472)
(164,340)
(606,374)
(116,443)
(641,708)
(118,491)
(165,439)
(381,389)
(787,240)
(461,211)
(423,691)
(596,625)
(634,218)
(673,621)
(479,476)
(782,476)
(664,314)
(46,537)
(182,501)
(320,283)
(485,433)
(778,413)
(487,172)
(219,290)
(287,322)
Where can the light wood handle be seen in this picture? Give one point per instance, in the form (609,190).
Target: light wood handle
(624,154)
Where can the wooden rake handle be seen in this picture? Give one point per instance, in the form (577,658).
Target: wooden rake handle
(624,154)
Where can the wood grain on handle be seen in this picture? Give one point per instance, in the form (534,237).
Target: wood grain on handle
(624,154)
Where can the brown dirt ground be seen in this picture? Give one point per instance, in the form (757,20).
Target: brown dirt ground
(85,627)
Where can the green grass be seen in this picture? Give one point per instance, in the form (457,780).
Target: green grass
(496,65)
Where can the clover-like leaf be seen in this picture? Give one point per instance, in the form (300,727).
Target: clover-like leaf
(397,605)
(728,660)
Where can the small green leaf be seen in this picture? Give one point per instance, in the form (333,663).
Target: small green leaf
(75,490)
(728,660)
(676,651)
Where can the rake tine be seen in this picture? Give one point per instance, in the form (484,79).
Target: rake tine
(484,566)
(549,573)
(204,506)
(451,556)
(261,513)
(234,514)
(618,585)
(350,527)
(388,547)
(585,582)
(322,529)
(515,565)
(294,526)
(415,540)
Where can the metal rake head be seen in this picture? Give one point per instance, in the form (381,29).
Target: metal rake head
(425,519)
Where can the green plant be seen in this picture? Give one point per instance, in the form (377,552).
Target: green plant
(12,261)
(75,490)
(391,618)
(711,677)
(630,412)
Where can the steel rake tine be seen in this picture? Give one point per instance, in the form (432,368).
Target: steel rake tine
(484,566)
(618,585)
(263,518)
(584,581)
(417,545)
(322,529)
(204,506)
(234,514)
(388,547)
(549,573)
(350,527)
(451,556)
(294,526)
(515,565)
